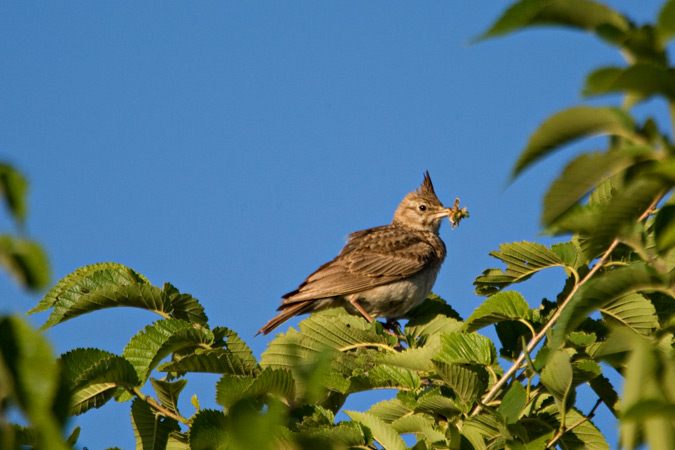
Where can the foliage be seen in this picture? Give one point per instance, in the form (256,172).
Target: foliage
(616,310)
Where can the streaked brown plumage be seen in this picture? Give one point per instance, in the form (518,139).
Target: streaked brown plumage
(381,272)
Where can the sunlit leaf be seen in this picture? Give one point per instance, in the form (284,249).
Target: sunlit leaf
(95,386)
(557,376)
(643,78)
(467,348)
(572,124)
(600,291)
(633,311)
(523,259)
(390,410)
(155,342)
(507,305)
(422,426)
(217,360)
(383,433)
(582,175)
(626,206)
(467,381)
(584,436)
(584,14)
(88,278)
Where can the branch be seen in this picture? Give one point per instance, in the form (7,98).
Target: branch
(574,425)
(158,407)
(542,333)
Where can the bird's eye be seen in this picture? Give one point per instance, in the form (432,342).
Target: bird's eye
(423,207)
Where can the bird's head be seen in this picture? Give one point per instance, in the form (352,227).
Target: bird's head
(421,210)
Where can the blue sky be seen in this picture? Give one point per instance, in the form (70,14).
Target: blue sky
(229,147)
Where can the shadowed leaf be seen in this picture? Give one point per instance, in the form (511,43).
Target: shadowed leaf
(26,261)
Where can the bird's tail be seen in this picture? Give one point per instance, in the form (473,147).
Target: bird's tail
(291,310)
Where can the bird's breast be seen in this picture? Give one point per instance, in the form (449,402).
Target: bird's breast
(394,300)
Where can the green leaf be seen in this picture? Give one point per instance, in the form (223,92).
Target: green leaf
(600,291)
(158,340)
(666,22)
(31,379)
(208,431)
(467,381)
(435,403)
(85,278)
(248,428)
(144,297)
(523,259)
(664,228)
(231,388)
(605,391)
(75,363)
(418,358)
(26,261)
(572,124)
(95,386)
(276,382)
(467,348)
(583,14)
(644,79)
(418,332)
(582,175)
(422,426)
(351,341)
(384,376)
(14,189)
(168,392)
(513,403)
(557,376)
(626,206)
(237,347)
(584,436)
(389,410)
(217,360)
(185,306)
(508,305)
(383,433)
(632,311)
(150,429)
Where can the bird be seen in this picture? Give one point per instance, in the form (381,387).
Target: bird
(381,272)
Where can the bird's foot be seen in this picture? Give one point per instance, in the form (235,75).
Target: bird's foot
(392,327)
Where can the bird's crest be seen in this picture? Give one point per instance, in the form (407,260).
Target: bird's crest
(427,187)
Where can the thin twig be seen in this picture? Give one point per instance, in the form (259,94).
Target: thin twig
(158,407)
(542,334)
(562,431)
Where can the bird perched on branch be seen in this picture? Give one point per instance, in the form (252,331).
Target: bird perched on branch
(381,272)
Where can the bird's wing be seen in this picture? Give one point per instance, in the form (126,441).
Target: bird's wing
(371,258)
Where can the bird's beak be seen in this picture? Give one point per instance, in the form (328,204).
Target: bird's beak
(445,212)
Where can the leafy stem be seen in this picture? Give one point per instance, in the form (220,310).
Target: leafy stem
(492,393)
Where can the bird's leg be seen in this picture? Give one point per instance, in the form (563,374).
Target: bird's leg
(393,326)
(353,299)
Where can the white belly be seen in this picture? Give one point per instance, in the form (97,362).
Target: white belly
(389,301)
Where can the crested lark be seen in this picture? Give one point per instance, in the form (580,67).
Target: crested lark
(381,272)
